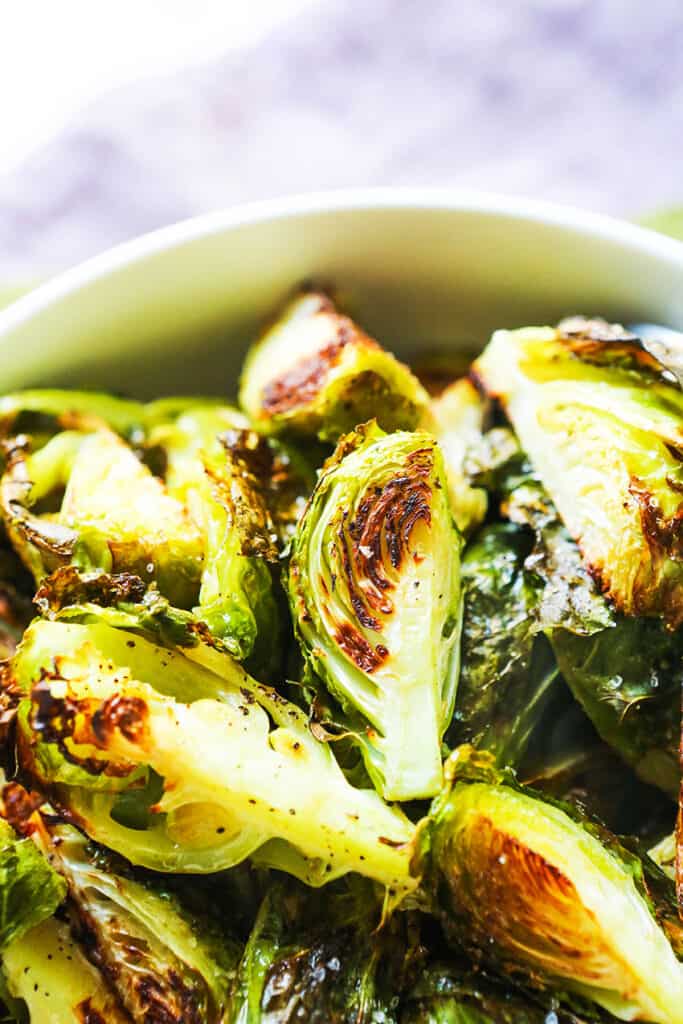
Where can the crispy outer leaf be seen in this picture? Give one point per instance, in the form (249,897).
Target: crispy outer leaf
(507,671)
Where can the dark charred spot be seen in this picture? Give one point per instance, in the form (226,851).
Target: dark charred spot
(395,844)
(59,720)
(664,534)
(362,653)
(128,715)
(381,532)
(19,806)
(594,340)
(67,586)
(87,1014)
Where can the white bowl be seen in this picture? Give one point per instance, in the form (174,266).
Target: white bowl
(175,310)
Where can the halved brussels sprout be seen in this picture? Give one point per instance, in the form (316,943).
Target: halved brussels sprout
(113,514)
(164,963)
(456,419)
(210,454)
(531,889)
(315,372)
(602,423)
(507,673)
(374,588)
(240,770)
(47,972)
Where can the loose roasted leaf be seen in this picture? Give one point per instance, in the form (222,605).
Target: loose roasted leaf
(507,671)
(30,891)
(331,965)
(451,993)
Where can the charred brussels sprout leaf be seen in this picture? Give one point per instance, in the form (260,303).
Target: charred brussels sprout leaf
(212,467)
(315,372)
(30,890)
(331,964)
(113,515)
(375,594)
(456,419)
(455,994)
(47,973)
(241,772)
(507,671)
(628,680)
(625,672)
(601,422)
(538,891)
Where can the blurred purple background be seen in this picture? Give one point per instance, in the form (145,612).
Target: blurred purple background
(579,101)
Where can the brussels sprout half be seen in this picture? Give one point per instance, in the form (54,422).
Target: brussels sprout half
(315,372)
(374,588)
(163,962)
(602,423)
(531,889)
(241,772)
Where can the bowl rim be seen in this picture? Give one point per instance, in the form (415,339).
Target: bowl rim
(138,249)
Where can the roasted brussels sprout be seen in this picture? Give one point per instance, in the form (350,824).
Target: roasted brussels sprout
(96,524)
(508,672)
(601,421)
(456,419)
(374,588)
(628,679)
(533,889)
(163,962)
(227,766)
(331,964)
(315,372)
